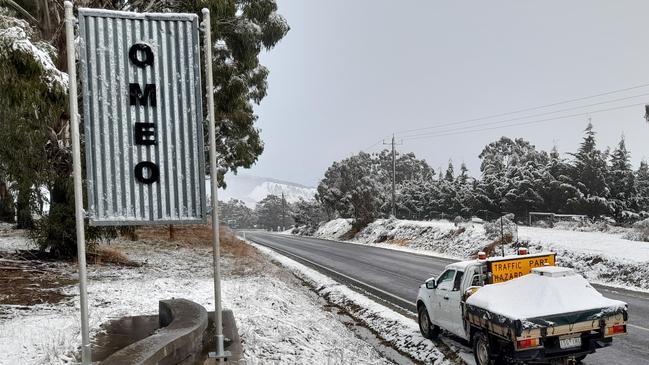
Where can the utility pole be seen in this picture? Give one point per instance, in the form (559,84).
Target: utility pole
(283,212)
(394,175)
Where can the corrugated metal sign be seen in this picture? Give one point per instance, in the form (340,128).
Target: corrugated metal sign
(143,117)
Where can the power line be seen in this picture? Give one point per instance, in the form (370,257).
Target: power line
(375,143)
(525,109)
(534,115)
(461,131)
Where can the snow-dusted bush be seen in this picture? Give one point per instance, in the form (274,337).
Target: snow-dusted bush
(495,229)
(640,231)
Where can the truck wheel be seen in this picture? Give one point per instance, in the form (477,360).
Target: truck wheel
(481,349)
(427,329)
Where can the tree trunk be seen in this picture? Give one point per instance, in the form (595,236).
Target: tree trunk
(61,231)
(23,206)
(7,209)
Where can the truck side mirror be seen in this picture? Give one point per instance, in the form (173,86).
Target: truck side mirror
(431,284)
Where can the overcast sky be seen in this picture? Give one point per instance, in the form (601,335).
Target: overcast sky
(352,72)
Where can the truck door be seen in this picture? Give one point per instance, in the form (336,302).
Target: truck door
(452,306)
(441,298)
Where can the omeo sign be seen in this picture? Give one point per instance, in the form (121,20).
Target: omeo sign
(142,110)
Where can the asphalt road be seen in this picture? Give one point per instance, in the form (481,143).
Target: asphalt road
(395,276)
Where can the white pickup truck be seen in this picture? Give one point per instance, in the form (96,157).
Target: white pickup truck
(519,309)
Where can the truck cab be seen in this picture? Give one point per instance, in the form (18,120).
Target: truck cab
(439,302)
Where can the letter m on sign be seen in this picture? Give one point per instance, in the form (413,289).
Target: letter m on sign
(136,96)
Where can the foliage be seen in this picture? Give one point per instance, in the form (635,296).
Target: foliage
(351,188)
(236,214)
(309,213)
(273,213)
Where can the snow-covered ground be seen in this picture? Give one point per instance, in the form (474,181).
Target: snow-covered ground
(280,320)
(12,240)
(602,257)
(334,229)
(398,330)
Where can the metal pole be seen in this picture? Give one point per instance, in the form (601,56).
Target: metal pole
(78,192)
(502,237)
(218,315)
(394,176)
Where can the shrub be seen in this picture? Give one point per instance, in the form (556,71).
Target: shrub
(509,228)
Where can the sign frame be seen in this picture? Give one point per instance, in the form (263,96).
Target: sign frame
(155,139)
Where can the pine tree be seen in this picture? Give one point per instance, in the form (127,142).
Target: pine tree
(464,174)
(642,187)
(589,170)
(621,181)
(450,174)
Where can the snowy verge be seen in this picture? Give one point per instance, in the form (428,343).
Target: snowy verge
(603,258)
(398,330)
(280,321)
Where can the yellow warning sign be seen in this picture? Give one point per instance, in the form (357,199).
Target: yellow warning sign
(507,269)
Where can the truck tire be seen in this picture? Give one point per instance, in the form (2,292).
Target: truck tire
(427,329)
(482,349)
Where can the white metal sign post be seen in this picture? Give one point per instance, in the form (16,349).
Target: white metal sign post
(143,121)
(216,244)
(78,192)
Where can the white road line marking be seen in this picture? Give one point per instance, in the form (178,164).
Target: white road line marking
(637,327)
(343,275)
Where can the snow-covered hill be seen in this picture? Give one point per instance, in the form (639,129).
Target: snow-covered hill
(251,189)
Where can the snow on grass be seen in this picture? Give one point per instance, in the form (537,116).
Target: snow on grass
(13,240)
(334,229)
(440,238)
(279,320)
(400,331)
(594,243)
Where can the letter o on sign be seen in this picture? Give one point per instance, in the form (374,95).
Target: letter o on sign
(148,55)
(154,172)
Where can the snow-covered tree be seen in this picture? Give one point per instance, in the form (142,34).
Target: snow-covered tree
(589,171)
(236,214)
(33,147)
(621,181)
(273,213)
(642,188)
(350,188)
(309,213)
